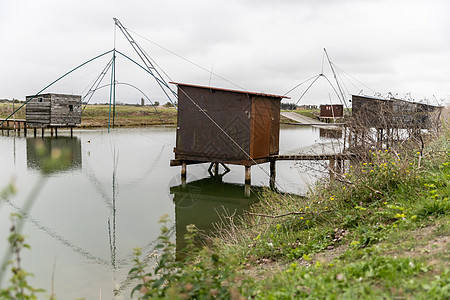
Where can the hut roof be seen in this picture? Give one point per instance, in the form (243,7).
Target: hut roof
(396,99)
(230,90)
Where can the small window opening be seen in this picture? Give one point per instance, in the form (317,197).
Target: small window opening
(40,99)
(70,107)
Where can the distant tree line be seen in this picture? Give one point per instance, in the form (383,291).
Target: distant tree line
(288,106)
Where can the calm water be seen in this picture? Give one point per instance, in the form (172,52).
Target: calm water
(102,195)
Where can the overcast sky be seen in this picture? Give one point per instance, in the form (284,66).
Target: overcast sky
(397,46)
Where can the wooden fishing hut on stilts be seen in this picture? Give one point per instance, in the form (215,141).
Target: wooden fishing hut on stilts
(53,111)
(381,123)
(223,126)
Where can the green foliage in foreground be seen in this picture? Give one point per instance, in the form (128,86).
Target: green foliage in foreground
(206,276)
(18,287)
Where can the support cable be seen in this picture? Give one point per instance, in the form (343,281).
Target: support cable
(354,78)
(135,87)
(334,73)
(61,77)
(329,82)
(189,61)
(344,88)
(146,60)
(317,77)
(143,68)
(95,84)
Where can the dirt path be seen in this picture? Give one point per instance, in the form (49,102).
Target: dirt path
(307,120)
(299,118)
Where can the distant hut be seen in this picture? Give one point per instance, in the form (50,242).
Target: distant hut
(53,110)
(395,113)
(393,120)
(331,111)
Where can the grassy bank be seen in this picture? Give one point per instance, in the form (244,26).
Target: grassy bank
(126,115)
(98,116)
(310,113)
(380,230)
(7,108)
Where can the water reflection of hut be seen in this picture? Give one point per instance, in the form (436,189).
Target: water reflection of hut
(50,155)
(330,133)
(204,201)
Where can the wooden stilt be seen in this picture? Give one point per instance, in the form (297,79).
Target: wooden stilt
(248,181)
(51,131)
(35,130)
(216,169)
(272,174)
(42,131)
(25,129)
(183,174)
(332,166)
(71,132)
(56,131)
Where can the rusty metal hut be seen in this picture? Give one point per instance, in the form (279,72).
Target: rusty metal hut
(219,125)
(53,110)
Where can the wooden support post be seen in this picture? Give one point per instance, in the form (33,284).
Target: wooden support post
(248,181)
(183,174)
(272,174)
(25,129)
(51,131)
(35,130)
(332,166)
(345,136)
(216,169)
(56,131)
(42,131)
(71,132)
(340,165)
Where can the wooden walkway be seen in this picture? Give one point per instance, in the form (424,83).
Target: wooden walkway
(336,161)
(12,124)
(272,158)
(19,124)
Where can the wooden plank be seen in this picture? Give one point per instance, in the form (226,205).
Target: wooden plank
(272,158)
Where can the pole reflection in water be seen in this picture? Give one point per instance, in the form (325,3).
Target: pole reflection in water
(205,202)
(112,219)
